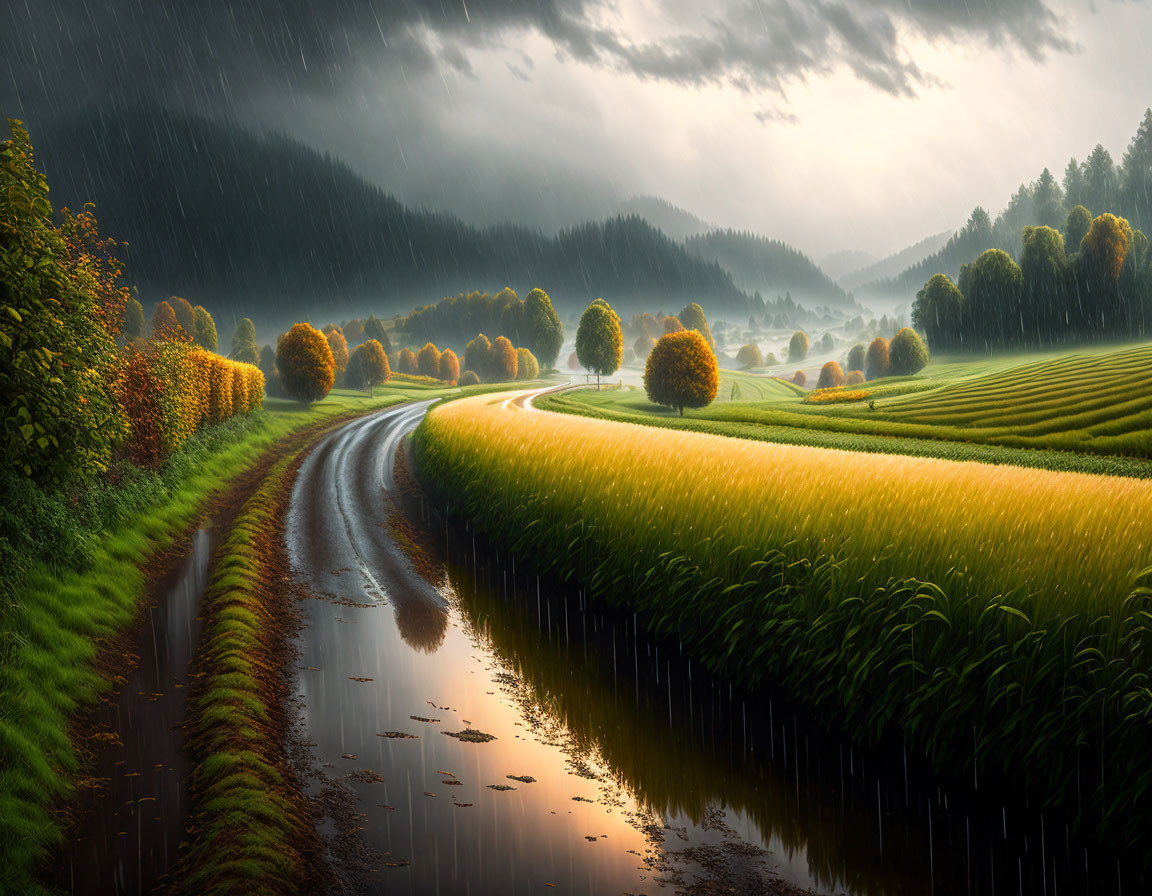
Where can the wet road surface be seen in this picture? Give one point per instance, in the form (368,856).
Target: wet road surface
(504,736)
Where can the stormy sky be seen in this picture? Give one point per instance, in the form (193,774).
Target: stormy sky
(862,124)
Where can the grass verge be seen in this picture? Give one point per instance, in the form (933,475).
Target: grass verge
(998,619)
(82,587)
(252,831)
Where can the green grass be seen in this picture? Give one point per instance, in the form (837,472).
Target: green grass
(1083,411)
(251,830)
(998,619)
(82,586)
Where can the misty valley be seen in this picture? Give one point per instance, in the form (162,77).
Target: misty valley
(579,447)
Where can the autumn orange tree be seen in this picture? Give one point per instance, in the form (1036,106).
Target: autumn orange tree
(407,362)
(831,375)
(164,322)
(502,360)
(681,371)
(339,346)
(876,362)
(428,360)
(449,366)
(304,359)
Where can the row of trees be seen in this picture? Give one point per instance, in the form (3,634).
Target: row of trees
(1124,190)
(80,387)
(497,361)
(531,322)
(1102,290)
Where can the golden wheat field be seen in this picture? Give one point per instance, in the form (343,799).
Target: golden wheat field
(997,529)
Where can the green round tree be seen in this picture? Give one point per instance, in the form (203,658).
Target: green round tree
(1076,227)
(876,363)
(681,371)
(856,357)
(798,346)
(203,329)
(133,319)
(937,311)
(692,317)
(244,343)
(750,356)
(599,340)
(304,359)
(643,345)
(368,366)
(527,367)
(907,353)
(185,314)
(469,378)
(544,331)
(476,355)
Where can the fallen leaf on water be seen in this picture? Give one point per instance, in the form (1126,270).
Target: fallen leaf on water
(426,793)
(398,734)
(422,719)
(356,678)
(348,756)
(470,736)
(523,779)
(500,787)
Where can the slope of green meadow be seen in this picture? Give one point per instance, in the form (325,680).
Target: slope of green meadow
(1085,411)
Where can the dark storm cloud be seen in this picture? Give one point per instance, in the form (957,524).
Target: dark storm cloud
(213,51)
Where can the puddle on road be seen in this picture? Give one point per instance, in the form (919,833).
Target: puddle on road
(501,736)
(129,825)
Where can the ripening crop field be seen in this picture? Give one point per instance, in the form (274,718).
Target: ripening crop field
(967,604)
(1060,537)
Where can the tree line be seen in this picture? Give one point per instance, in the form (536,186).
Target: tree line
(531,322)
(1123,189)
(1101,290)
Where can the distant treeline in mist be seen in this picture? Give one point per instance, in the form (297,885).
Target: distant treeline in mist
(757,263)
(227,217)
(1098,184)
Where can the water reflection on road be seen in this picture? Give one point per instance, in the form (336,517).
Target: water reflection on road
(503,737)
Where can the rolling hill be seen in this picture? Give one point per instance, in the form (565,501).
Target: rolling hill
(758,264)
(264,226)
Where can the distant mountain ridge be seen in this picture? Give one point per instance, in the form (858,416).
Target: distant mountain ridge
(892,265)
(678,223)
(264,226)
(770,267)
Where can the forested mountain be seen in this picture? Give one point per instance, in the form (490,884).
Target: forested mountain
(1098,184)
(758,264)
(893,264)
(266,227)
(673,220)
